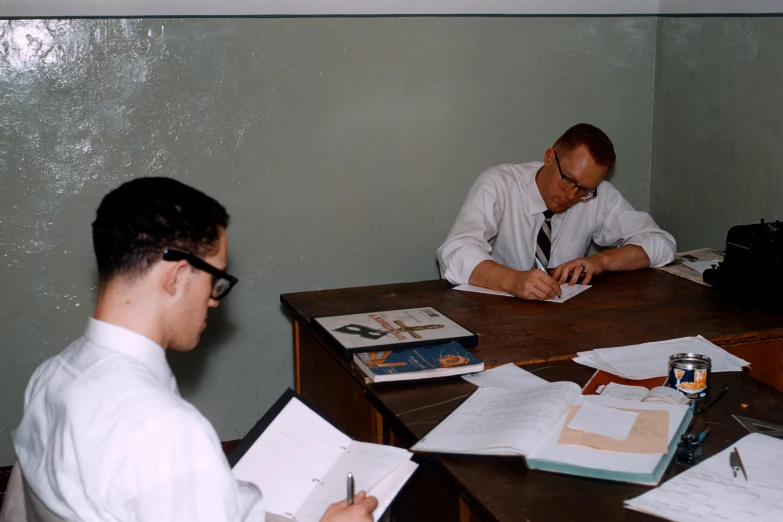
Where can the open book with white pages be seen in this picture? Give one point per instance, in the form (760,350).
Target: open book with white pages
(300,462)
(537,423)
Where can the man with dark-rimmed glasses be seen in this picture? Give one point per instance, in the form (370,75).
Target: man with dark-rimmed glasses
(105,434)
(519,218)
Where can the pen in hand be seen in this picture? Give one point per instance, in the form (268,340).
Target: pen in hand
(541,267)
(350,489)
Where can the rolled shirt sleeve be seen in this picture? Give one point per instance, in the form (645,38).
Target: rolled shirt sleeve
(468,243)
(622,225)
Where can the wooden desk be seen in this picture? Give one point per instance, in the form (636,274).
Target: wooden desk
(499,488)
(620,309)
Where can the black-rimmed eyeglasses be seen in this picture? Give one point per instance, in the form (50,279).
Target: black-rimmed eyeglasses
(567,184)
(221,281)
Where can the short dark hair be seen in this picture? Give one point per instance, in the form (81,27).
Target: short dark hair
(598,144)
(138,220)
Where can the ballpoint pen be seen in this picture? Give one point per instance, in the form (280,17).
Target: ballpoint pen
(736,463)
(350,489)
(541,267)
(703,434)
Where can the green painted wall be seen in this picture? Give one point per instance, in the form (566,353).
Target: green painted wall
(717,159)
(342,147)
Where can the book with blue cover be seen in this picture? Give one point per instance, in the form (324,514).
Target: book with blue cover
(422,362)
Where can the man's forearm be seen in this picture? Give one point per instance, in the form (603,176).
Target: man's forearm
(525,284)
(626,257)
(493,275)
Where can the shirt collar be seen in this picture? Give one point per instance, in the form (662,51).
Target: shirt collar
(535,203)
(132,344)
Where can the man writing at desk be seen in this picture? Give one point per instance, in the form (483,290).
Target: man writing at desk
(519,216)
(105,435)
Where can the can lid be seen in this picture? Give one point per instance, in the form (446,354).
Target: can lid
(690,357)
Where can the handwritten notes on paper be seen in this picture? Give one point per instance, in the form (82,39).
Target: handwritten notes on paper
(709,491)
(649,434)
(494,421)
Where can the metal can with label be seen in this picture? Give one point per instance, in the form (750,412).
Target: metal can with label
(689,373)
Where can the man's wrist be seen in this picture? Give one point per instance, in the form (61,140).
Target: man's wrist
(510,280)
(602,261)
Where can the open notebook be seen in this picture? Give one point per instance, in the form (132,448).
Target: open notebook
(300,462)
(534,423)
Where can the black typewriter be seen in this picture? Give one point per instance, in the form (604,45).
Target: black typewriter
(753,265)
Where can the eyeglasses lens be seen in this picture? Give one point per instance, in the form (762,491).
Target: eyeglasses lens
(583,194)
(219,287)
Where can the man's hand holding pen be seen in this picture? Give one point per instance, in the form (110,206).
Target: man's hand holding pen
(535,284)
(355,508)
(360,511)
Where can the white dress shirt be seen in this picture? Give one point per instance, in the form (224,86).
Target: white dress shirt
(106,437)
(504,211)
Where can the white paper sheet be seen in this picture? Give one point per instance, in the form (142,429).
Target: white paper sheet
(701,266)
(621,391)
(602,459)
(508,377)
(568,291)
(601,420)
(297,447)
(481,290)
(300,463)
(710,492)
(369,463)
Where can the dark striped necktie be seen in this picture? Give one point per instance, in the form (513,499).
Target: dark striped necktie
(544,240)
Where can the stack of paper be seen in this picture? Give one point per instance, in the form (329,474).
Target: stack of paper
(648,360)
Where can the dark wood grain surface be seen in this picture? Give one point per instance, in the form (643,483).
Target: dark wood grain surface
(501,488)
(620,309)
